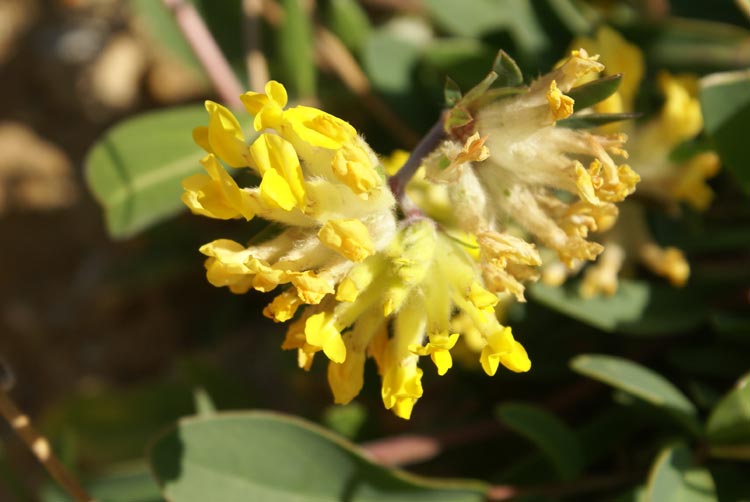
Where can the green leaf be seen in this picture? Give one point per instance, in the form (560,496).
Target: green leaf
(469,18)
(452,92)
(349,21)
(595,91)
(296,48)
(136,167)
(637,308)
(392,52)
(674,479)
(729,422)
(204,405)
(474,18)
(551,435)
(508,72)
(237,457)
(589,120)
(641,382)
(725,103)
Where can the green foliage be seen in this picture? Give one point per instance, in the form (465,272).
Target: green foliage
(271,457)
(674,478)
(642,383)
(135,168)
(725,102)
(638,307)
(729,422)
(552,436)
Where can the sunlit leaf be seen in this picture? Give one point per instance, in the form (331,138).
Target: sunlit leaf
(136,167)
(264,456)
(552,436)
(641,382)
(674,479)
(729,422)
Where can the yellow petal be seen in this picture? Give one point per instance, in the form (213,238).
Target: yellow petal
(350,238)
(346,378)
(320,331)
(225,135)
(275,191)
(560,105)
(283,307)
(272,152)
(319,128)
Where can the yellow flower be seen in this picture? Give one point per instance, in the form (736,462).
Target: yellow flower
(416,284)
(346,269)
(525,163)
(216,195)
(318,178)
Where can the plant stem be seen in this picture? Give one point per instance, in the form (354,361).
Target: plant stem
(41,449)
(207,51)
(255,62)
(425,146)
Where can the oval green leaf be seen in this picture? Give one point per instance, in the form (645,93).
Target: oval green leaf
(136,167)
(674,479)
(725,103)
(237,457)
(729,422)
(552,436)
(638,308)
(641,382)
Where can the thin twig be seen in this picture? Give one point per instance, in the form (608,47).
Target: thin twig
(207,51)
(255,61)
(335,54)
(41,449)
(500,493)
(426,145)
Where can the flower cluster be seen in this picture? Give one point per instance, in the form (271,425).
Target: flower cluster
(342,253)
(663,180)
(518,168)
(397,290)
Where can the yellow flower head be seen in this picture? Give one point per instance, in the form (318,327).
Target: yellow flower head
(318,179)
(527,161)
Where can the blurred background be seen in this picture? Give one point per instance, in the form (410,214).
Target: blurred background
(110,333)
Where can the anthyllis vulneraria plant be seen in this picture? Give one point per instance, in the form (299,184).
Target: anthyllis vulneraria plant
(396,286)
